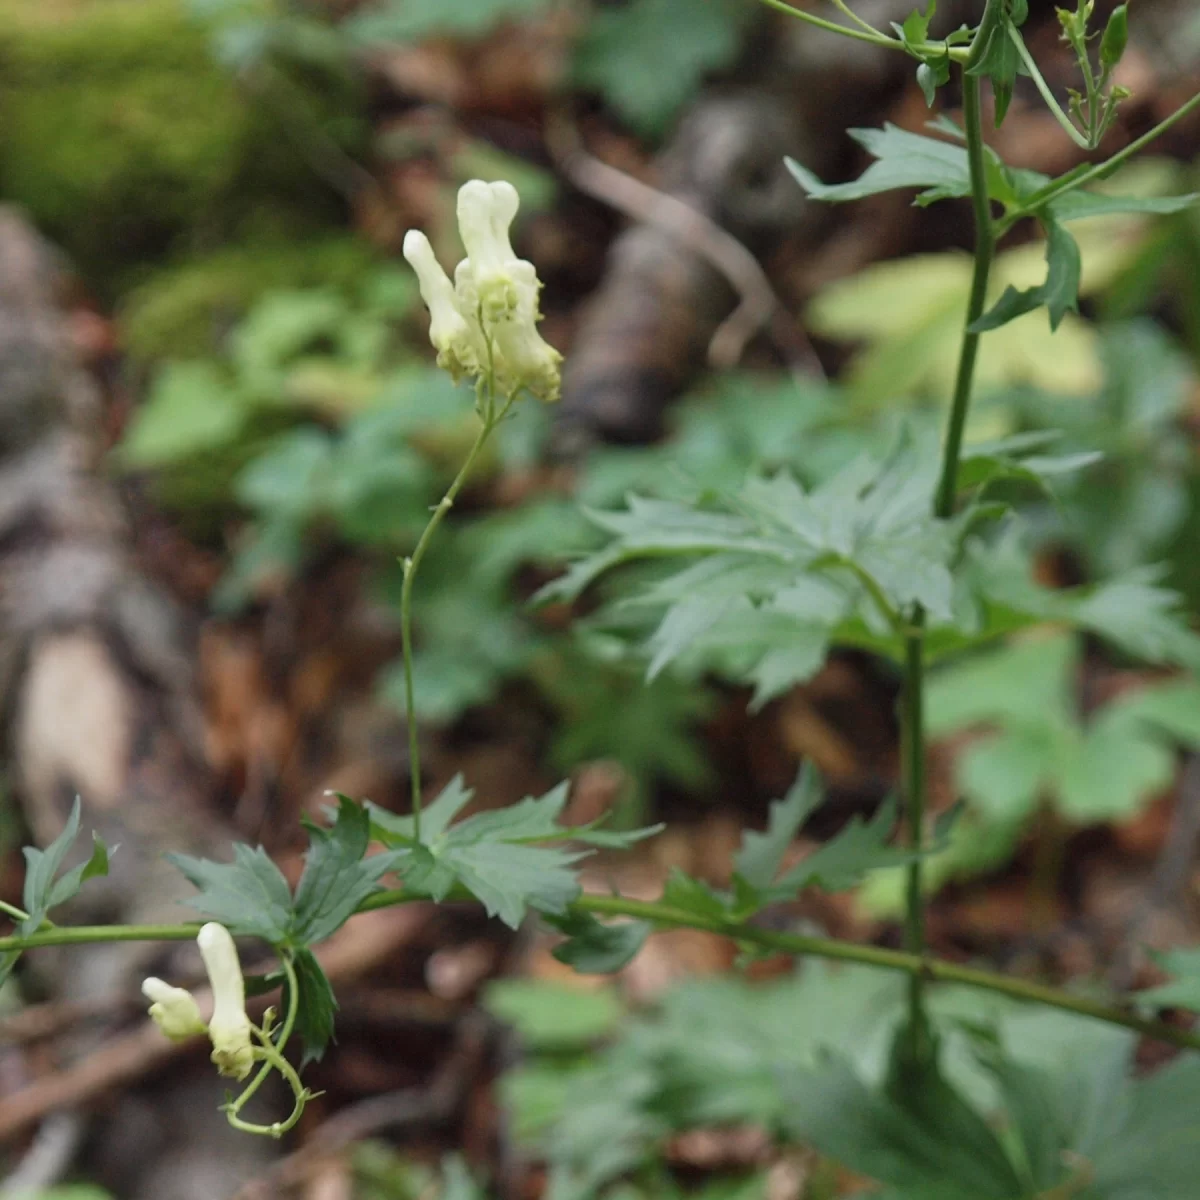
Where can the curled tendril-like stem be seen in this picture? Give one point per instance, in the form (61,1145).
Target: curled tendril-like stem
(270,1054)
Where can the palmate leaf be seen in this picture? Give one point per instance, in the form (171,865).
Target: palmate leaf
(770,576)
(337,877)
(1103,770)
(499,856)
(249,896)
(838,865)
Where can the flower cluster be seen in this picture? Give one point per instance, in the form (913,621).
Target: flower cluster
(175,1011)
(484,324)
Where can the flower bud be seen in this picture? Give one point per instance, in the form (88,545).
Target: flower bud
(229,1028)
(1116,37)
(452,335)
(174,1010)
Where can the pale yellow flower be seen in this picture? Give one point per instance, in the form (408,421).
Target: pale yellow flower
(174,1010)
(229,1029)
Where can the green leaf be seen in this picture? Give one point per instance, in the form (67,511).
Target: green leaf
(249,896)
(918,1086)
(1100,772)
(1171,708)
(594,947)
(761,854)
(1078,204)
(1000,63)
(694,896)
(509,878)
(623,51)
(842,862)
(1137,615)
(45,888)
(191,407)
(401,21)
(1183,991)
(314,1017)
(1060,292)
(490,854)
(1004,775)
(552,1016)
(772,575)
(336,878)
(1112,771)
(837,1113)
(903,160)
(397,831)
(1028,1098)
(288,479)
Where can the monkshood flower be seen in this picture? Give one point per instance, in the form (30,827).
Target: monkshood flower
(175,1011)
(485,322)
(229,1029)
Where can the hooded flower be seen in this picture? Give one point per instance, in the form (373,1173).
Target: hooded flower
(174,1010)
(229,1029)
(493,302)
(459,346)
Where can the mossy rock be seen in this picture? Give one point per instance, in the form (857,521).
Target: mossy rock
(124,140)
(186,309)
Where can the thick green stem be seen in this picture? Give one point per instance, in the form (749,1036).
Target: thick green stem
(488,419)
(912,716)
(985,244)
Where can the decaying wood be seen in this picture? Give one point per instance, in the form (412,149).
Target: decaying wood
(99,697)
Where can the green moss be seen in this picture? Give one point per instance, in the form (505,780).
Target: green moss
(185,310)
(124,139)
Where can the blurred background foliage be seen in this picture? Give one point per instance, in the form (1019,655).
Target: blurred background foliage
(200,163)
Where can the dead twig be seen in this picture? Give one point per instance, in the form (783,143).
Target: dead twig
(760,307)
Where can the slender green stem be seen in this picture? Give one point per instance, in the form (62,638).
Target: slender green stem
(868,33)
(82,935)
(271,1054)
(17,914)
(985,244)
(1043,87)
(891,960)
(665,915)
(873,36)
(912,752)
(849,13)
(1069,183)
(488,419)
(912,715)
